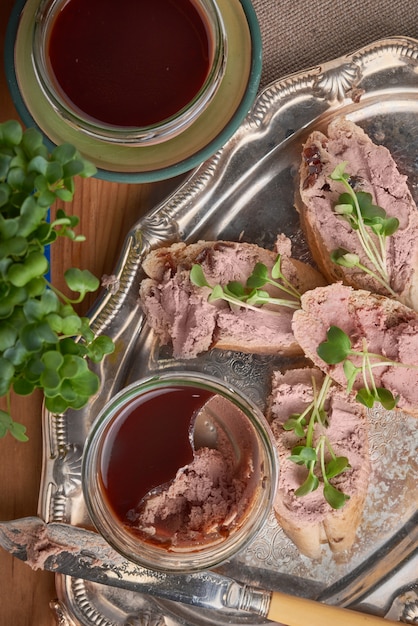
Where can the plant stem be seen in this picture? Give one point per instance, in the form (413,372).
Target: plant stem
(321,451)
(366,241)
(61,295)
(316,407)
(287,287)
(384,282)
(245,305)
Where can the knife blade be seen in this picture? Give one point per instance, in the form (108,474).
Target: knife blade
(82,553)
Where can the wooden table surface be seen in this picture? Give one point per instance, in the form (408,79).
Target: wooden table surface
(107,211)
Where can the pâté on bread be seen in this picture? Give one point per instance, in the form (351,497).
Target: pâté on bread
(372,314)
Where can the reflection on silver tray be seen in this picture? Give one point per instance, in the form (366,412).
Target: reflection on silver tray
(246,192)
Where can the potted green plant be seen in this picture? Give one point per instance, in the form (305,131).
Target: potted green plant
(44,343)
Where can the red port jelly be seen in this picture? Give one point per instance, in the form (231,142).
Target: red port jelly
(147,443)
(131,63)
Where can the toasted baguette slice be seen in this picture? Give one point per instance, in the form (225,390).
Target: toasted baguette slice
(309,520)
(179,312)
(388,328)
(373,170)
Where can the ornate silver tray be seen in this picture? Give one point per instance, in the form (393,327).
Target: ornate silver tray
(246,192)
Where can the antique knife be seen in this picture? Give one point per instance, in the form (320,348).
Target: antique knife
(84,554)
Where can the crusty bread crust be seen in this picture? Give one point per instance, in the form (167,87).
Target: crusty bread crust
(290,348)
(175,256)
(378,175)
(338,530)
(309,521)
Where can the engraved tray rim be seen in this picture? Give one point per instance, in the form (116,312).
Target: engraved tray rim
(327,88)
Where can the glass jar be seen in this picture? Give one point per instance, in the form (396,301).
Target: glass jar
(137,74)
(130,444)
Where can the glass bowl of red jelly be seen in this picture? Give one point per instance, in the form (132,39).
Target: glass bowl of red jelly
(136,72)
(179,472)
(119,152)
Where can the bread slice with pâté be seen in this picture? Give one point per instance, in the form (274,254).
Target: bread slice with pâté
(309,520)
(391,266)
(180,314)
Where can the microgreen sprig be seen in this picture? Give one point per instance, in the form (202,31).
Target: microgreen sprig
(371,224)
(311,452)
(337,348)
(44,343)
(250,295)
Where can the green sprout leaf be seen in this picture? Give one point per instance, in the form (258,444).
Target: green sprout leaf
(336,348)
(198,277)
(44,343)
(335,498)
(218,294)
(7,372)
(311,449)
(259,277)
(342,257)
(391,225)
(311,484)
(366,397)
(81,281)
(99,347)
(8,425)
(343,209)
(371,225)
(38,164)
(8,335)
(23,387)
(339,172)
(303,455)
(251,295)
(85,384)
(18,431)
(296,423)
(11,134)
(64,153)
(386,398)
(351,372)
(336,466)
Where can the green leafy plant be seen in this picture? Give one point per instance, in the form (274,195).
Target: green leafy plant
(251,295)
(312,450)
(44,343)
(371,224)
(337,348)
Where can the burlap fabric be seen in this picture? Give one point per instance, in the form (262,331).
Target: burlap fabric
(299,34)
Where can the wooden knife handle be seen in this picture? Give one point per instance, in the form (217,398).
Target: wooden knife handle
(293,611)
